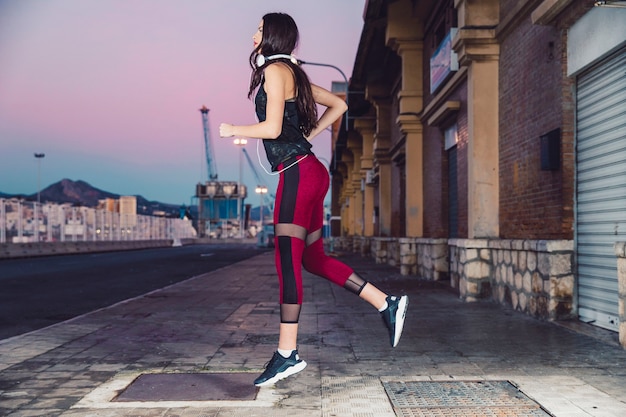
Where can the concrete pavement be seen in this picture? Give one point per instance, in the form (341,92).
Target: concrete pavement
(454,358)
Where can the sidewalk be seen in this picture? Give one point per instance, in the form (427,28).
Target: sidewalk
(224,324)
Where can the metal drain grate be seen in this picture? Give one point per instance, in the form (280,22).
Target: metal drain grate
(190,387)
(460,398)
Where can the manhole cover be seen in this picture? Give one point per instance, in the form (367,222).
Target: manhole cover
(190,387)
(463,398)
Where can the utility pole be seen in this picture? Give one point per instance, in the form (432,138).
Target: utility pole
(39,157)
(241,142)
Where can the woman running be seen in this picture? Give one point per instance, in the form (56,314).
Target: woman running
(286,107)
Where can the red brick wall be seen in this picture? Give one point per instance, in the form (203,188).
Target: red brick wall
(436,174)
(567,18)
(536,96)
(398,172)
(462,161)
(435,185)
(435,156)
(530,105)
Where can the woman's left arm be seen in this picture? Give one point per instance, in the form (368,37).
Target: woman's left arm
(335,107)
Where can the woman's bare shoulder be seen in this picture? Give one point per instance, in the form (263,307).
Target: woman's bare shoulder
(278,69)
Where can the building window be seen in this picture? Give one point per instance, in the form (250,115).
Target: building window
(451,136)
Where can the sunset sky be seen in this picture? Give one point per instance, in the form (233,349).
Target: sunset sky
(110,90)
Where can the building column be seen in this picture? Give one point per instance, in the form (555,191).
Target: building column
(414,167)
(411,103)
(384,197)
(366,129)
(478,50)
(346,197)
(382,160)
(405,36)
(355,179)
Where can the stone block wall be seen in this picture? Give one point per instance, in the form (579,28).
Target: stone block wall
(340,243)
(365,246)
(393,252)
(535,277)
(380,249)
(408,255)
(471,268)
(426,258)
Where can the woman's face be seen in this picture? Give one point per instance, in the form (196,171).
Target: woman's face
(258,36)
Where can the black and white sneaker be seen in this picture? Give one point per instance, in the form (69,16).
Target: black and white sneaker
(279,368)
(393,316)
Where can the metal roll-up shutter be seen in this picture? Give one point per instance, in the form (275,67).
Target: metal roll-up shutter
(601,187)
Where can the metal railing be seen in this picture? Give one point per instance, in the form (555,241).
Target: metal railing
(26,221)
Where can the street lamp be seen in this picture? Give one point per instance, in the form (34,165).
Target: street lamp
(261,189)
(345,79)
(241,142)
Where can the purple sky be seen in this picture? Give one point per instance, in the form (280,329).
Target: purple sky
(110,90)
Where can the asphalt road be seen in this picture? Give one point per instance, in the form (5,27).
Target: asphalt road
(38,292)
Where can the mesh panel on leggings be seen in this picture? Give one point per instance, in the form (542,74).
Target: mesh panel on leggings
(355,284)
(290,313)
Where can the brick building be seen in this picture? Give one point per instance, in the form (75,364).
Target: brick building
(486,144)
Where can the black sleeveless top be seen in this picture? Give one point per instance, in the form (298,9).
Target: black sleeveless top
(290,143)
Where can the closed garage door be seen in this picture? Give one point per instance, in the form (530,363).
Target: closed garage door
(601,187)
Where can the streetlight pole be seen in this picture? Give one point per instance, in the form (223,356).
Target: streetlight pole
(241,142)
(39,157)
(345,79)
(261,189)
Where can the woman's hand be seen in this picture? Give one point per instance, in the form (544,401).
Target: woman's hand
(226,130)
(335,108)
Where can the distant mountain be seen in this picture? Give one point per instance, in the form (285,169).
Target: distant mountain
(75,192)
(80,193)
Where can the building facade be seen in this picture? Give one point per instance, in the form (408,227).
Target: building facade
(486,145)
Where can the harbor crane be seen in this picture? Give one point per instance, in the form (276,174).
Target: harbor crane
(219,202)
(208,145)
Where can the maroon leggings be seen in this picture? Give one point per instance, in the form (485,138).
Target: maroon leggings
(300,201)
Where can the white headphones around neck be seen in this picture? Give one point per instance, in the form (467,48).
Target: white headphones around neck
(261,60)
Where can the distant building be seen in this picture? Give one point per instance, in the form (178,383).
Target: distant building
(108,204)
(127,206)
(124,205)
